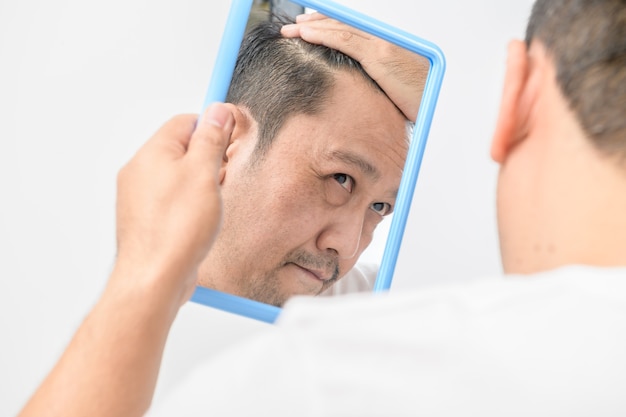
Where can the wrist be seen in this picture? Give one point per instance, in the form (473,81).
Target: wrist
(158,287)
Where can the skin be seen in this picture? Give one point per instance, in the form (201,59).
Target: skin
(399,72)
(559,200)
(169,189)
(298,220)
(554,190)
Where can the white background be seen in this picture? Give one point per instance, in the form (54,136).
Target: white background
(83,84)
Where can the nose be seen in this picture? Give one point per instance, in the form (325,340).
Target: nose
(342,234)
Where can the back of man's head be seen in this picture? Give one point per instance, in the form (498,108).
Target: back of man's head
(277,77)
(560,139)
(587,42)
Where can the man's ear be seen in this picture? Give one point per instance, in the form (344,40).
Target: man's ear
(513,106)
(243,133)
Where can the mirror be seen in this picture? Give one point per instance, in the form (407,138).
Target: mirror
(299,226)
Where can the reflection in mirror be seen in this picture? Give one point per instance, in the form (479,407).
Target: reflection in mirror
(263,10)
(324,115)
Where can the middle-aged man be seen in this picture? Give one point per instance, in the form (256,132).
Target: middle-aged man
(549,339)
(312,167)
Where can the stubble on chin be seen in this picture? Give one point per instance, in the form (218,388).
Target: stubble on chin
(268,288)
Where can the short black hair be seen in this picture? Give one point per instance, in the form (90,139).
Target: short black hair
(587,41)
(277,77)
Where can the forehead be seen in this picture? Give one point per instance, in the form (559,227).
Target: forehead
(357,125)
(358,107)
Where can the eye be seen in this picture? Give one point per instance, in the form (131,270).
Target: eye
(345,181)
(382,209)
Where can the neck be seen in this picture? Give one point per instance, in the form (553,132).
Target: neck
(582,192)
(560,200)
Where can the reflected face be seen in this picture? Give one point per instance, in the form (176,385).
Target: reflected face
(297,220)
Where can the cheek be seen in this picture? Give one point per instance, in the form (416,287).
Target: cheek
(334,193)
(347,264)
(372,220)
(295,210)
(367,235)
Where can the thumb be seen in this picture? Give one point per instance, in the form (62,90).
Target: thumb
(211,136)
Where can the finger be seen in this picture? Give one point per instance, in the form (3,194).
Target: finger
(290,30)
(324,23)
(308,17)
(350,42)
(209,140)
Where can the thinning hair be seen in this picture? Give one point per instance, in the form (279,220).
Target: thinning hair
(277,77)
(587,41)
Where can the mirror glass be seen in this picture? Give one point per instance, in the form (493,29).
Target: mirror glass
(319,176)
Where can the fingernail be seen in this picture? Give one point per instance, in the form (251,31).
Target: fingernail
(288,29)
(303,17)
(217,114)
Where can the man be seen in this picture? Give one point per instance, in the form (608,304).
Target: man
(548,342)
(312,167)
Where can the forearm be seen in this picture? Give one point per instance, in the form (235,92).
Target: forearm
(168,213)
(111,365)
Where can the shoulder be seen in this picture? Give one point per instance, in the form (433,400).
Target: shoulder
(491,344)
(551,292)
(560,329)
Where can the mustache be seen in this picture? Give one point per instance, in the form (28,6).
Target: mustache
(329,264)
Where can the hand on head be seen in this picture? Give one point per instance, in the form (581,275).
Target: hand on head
(399,72)
(169,205)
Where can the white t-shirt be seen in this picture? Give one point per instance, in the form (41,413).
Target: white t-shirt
(360,278)
(551,344)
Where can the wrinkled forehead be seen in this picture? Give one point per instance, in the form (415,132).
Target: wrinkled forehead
(353,76)
(355,120)
(360,126)
(359,106)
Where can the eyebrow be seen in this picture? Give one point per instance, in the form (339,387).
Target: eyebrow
(361,164)
(358,162)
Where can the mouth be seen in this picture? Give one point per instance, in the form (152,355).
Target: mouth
(319,275)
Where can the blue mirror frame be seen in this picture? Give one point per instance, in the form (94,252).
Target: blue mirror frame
(218,88)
